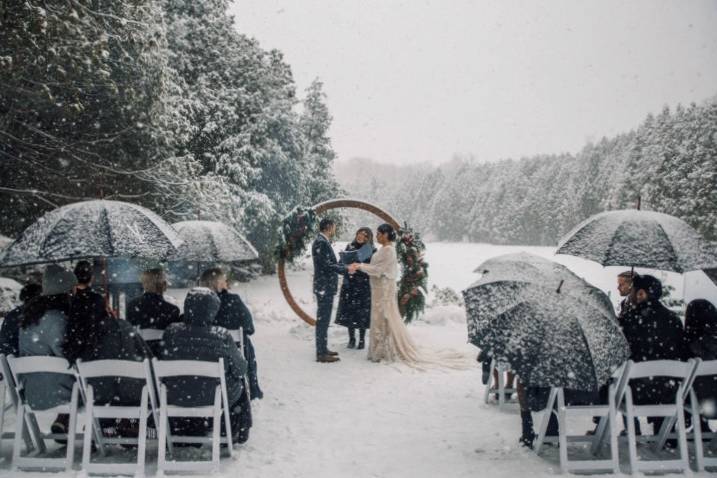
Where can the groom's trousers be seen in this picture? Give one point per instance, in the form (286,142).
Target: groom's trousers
(323,320)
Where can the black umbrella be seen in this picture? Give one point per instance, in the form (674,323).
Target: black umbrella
(551,327)
(641,239)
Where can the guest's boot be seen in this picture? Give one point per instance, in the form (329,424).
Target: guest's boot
(352,338)
(362,339)
(528,435)
(361,344)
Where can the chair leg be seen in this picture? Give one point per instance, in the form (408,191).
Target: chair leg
(501,390)
(545,419)
(72,429)
(562,432)
(162,429)
(613,430)
(228,424)
(35,433)
(216,428)
(89,429)
(631,438)
(19,428)
(142,438)
(697,431)
(682,435)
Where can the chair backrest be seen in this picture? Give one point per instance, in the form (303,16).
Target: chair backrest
(39,364)
(185,368)
(237,335)
(661,368)
(113,368)
(149,335)
(708,367)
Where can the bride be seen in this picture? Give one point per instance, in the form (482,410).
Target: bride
(389,337)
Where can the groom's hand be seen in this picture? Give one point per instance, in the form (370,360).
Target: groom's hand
(353,268)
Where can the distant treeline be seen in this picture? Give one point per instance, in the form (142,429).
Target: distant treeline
(669,161)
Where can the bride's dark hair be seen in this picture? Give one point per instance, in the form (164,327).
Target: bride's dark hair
(388,230)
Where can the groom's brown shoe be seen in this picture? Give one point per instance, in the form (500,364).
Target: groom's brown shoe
(327,358)
(332,353)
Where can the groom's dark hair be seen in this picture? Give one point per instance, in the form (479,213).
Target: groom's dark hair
(326,223)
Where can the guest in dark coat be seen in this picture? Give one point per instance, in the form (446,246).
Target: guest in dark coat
(10,329)
(197,338)
(93,333)
(234,314)
(326,284)
(151,310)
(654,333)
(354,309)
(701,336)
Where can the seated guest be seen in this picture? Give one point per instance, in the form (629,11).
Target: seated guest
(151,310)
(10,329)
(94,334)
(624,287)
(42,332)
(701,336)
(653,332)
(234,314)
(197,338)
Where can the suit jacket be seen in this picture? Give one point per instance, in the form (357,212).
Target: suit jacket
(326,268)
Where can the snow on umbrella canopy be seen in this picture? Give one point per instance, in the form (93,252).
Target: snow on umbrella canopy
(639,239)
(210,241)
(551,326)
(93,229)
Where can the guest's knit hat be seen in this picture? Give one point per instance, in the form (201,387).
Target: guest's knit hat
(57,280)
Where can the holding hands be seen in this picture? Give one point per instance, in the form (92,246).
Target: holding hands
(354,267)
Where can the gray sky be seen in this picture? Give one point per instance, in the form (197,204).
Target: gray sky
(411,81)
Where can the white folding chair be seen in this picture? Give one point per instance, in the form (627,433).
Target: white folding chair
(110,369)
(41,364)
(8,391)
(682,371)
(500,389)
(150,335)
(607,424)
(238,338)
(703,369)
(189,368)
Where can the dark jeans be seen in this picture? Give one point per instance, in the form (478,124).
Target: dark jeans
(323,319)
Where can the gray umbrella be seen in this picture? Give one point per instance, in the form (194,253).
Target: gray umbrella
(639,239)
(552,327)
(93,229)
(211,241)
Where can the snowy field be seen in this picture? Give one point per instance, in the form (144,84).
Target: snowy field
(356,418)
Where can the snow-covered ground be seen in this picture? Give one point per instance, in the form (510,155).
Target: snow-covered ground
(356,418)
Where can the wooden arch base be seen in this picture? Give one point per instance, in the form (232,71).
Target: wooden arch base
(320,209)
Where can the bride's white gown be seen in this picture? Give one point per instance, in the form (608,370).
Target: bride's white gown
(389,337)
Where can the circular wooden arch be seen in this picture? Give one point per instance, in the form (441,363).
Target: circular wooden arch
(320,209)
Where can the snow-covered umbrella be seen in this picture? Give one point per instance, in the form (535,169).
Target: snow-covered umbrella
(552,327)
(93,229)
(211,241)
(638,238)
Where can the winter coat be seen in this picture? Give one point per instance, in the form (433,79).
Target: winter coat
(10,332)
(45,390)
(701,335)
(326,268)
(233,314)
(355,298)
(152,311)
(196,338)
(653,332)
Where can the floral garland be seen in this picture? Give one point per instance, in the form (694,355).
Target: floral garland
(301,225)
(413,286)
(296,230)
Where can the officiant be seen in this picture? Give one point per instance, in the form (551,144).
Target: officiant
(354,310)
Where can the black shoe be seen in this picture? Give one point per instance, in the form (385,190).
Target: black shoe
(60,426)
(241,437)
(352,344)
(526,440)
(361,344)
(528,435)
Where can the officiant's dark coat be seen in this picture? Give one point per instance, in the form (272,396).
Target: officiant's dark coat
(355,298)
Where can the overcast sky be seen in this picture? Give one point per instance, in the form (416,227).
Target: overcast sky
(410,81)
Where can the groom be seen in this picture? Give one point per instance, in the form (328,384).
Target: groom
(326,284)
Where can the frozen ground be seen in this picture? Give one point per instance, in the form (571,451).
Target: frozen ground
(355,418)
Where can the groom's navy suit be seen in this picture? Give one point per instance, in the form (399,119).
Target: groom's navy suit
(326,284)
